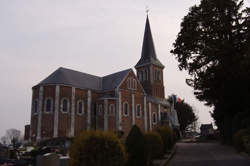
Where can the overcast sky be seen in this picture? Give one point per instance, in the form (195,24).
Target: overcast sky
(93,36)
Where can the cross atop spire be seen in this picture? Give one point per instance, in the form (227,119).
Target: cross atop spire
(148,55)
(147,10)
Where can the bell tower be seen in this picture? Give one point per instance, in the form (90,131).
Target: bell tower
(149,69)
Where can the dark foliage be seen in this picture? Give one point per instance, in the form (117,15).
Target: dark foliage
(97,148)
(153,147)
(168,137)
(213,46)
(135,147)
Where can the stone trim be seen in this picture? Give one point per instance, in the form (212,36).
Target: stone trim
(119,111)
(105,115)
(150,116)
(145,115)
(39,123)
(159,112)
(133,109)
(89,110)
(72,126)
(55,134)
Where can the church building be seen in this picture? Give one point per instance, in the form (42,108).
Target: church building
(68,102)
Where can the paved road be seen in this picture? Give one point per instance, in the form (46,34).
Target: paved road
(207,154)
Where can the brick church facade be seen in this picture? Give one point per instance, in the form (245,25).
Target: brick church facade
(68,102)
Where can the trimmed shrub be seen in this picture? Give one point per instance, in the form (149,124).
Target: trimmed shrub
(238,138)
(97,148)
(135,147)
(153,146)
(167,136)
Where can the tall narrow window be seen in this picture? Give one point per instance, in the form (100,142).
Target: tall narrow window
(125,109)
(135,84)
(154,117)
(80,107)
(48,105)
(111,110)
(35,106)
(65,105)
(138,110)
(100,109)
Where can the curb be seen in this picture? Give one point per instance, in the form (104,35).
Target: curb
(165,162)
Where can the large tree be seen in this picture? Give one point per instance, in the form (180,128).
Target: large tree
(213,46)
(12,137)
(186,115)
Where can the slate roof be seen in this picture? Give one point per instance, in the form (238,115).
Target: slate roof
(111,81)
(83,80)
(148,55)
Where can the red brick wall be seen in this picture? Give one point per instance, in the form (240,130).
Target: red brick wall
(112,118)
(100,116)
(158,86)
(154,108)
(34,116)
(64,118)
(47,124)
(127,97)
(81,120)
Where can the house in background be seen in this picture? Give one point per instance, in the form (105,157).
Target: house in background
(207,130)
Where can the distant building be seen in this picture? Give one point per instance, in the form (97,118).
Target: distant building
(68,102)
(207,130)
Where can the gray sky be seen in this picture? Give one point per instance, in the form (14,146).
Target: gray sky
(93,36)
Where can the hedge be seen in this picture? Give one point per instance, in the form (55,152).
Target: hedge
(97,148)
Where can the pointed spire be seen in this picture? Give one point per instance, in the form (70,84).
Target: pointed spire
(148,54)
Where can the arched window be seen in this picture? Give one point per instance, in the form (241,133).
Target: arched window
(48,105)
(128,84)
(65,105)
(134,84)
(154,117)
(111,110)
(125,109)
(100,109)
(80,107)
(138,110)
(35,106)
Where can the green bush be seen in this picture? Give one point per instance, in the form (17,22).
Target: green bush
(238,138)
(97,148)
(167,136)
(135,147)
(153,146)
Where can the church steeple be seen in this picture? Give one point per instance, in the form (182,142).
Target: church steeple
(149,69)
(148,55)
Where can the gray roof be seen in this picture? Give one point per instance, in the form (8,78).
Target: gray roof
(111,81)
(148,55)
(83,80)
(158,100)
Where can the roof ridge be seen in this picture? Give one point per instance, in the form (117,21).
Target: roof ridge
(118,72)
